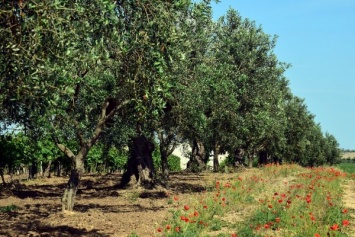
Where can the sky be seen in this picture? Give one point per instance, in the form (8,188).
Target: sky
(317,37)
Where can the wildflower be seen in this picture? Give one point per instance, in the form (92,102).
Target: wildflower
(195,213)
(345,211)
(186,207)
(177,229)
(266,226)
(176,198)
(317,235)
(334,227)
(234,235)
(269,206)
(346,222)
(278,219)
(168,227)
(159,229)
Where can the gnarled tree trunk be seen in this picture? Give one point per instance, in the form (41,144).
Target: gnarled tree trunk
(239,157)
(198,154)
(140,163)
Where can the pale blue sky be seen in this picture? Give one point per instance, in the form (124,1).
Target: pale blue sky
(318,38)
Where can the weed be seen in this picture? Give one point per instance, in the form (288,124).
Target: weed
(8,208)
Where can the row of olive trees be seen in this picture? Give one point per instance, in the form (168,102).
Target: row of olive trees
(128,73)
(22,155)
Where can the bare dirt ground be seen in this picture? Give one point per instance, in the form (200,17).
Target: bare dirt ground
(349,201)
(101,208)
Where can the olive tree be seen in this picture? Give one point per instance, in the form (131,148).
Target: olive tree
(73,67)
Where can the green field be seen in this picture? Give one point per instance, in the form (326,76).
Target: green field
(347,167)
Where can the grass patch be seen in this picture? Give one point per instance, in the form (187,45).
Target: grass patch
(347,167)
(9,208)
(276,200)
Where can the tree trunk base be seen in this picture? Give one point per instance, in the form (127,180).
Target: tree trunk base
(70,191)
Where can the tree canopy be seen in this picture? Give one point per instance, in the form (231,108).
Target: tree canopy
(78,73)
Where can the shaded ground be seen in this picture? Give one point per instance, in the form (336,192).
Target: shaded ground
(101,208)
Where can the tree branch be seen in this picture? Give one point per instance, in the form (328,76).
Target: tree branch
(103,119)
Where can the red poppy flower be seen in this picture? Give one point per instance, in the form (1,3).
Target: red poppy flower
(334,227)
(234,235)
(316,235)
(176,198)
(159,229)
(346,222)
(344,211)
(277,219)
(186,207)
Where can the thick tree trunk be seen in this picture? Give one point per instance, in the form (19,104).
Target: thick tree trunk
(215,158)
(239,157)
(140,163)
(198,154)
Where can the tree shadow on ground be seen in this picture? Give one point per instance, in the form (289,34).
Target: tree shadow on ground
(115,208)
(184,187)
(153,194)
(35,194)
(36,228)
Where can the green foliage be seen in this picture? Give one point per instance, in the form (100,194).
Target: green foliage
(9,208)
(173,161)
(84,72)
(105,159)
